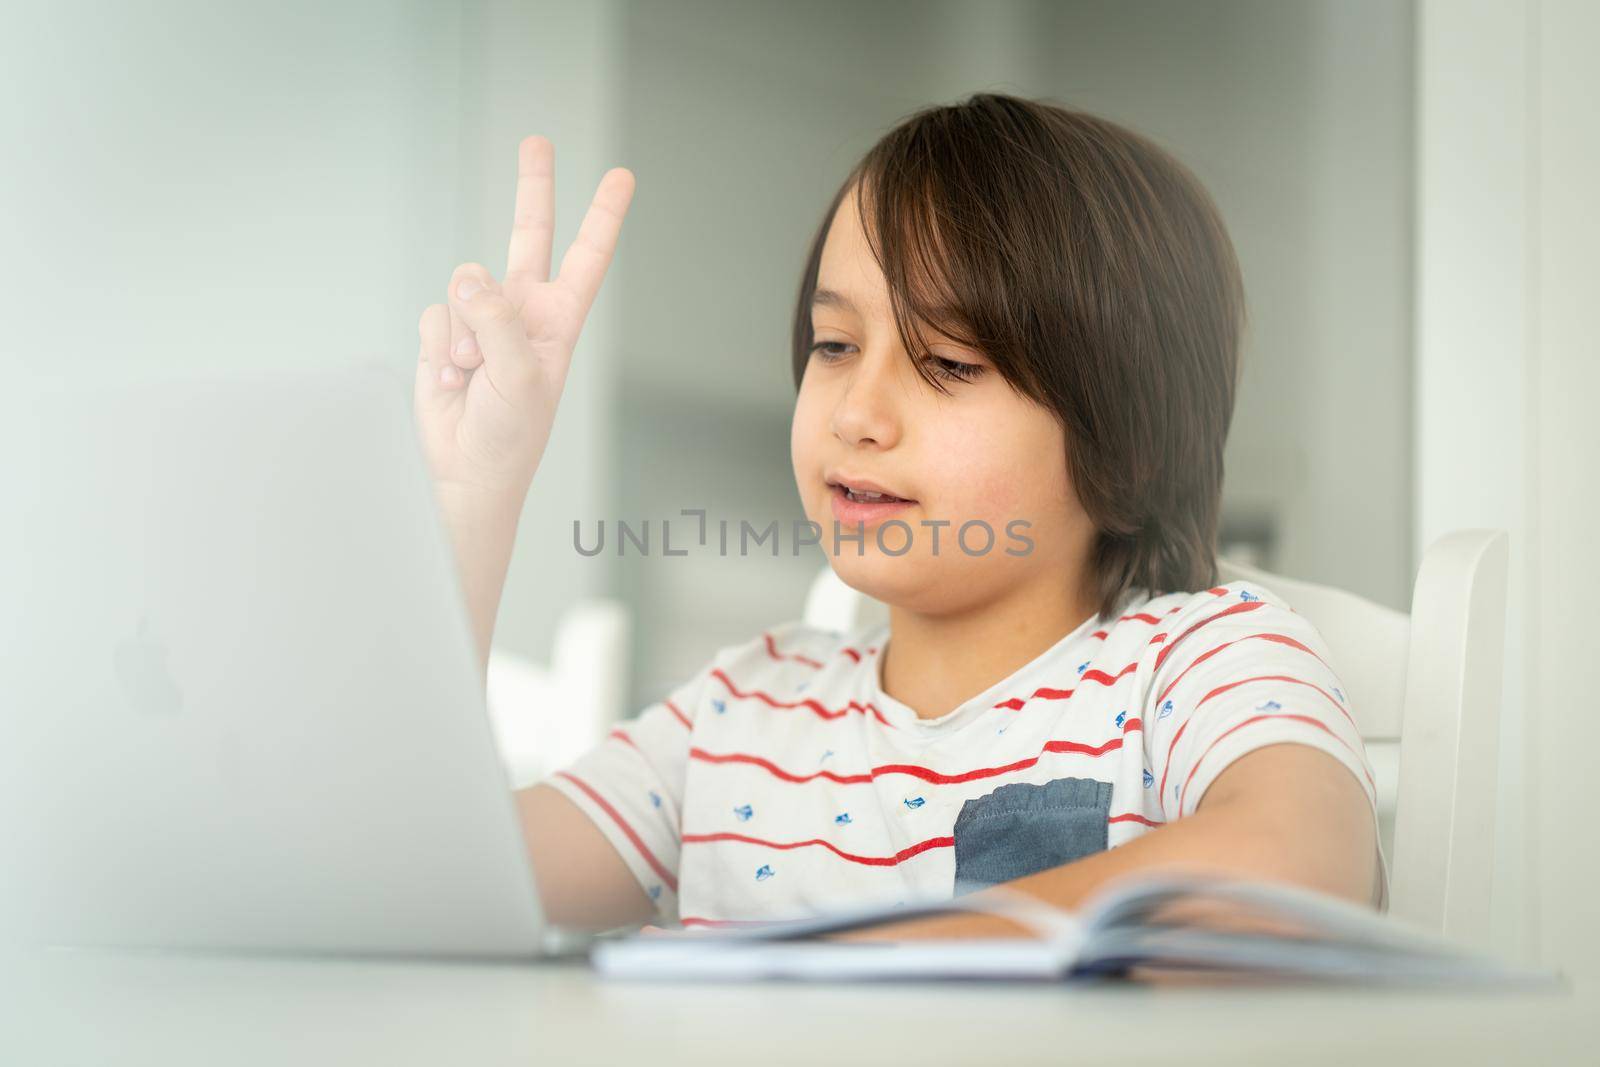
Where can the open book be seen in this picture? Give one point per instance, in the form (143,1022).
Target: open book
(1168,923)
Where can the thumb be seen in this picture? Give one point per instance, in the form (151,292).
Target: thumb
(497,322)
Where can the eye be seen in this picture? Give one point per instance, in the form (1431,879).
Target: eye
(828,357)
(952,369)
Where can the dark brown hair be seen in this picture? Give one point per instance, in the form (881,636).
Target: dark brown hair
(1094,271)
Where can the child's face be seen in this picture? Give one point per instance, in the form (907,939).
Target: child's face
(984,452)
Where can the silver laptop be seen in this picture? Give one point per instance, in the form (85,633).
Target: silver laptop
(239,700)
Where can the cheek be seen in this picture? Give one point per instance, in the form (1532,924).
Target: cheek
(805,433)
(1003,465)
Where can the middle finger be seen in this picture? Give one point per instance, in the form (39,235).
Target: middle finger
(533,224)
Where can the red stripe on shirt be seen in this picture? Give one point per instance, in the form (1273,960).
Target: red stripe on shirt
(1329,697)
(1167,766)
(1042,693)
(822,712)
(1275,638)
(687,725)
(628,831)
(1046,693)
(926,774)
(871,861)
(1162,636)
(1318,723)
(1235,609)
(1145,616)
(695,920)
(772,650)
(1142,616)
(1133,816)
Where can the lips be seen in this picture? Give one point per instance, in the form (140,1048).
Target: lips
(869,512)
(865,491)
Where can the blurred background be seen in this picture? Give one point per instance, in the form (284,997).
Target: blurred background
(237,185)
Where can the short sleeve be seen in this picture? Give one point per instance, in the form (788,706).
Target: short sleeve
(1239,670)
(631,786)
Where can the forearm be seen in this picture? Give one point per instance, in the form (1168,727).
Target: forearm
(1217,841)
(1229,839)
(1283,813)
(483,533)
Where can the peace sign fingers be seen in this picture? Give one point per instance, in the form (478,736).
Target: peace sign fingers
(584,265)
(534,223)
(486,411)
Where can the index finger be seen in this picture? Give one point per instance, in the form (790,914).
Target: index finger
(584,265)
(534,222)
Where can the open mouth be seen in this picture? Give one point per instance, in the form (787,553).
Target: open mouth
(866,496)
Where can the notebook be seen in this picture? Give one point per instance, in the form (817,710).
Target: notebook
(1185,925)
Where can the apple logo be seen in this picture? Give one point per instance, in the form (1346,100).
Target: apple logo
(141,664)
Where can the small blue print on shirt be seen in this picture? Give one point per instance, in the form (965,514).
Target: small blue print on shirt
(801,687)
(744,811)
(719,706)
(842,819)
(1338,694)
(825,755)
(655,892)
(1082,667)
(1121,718)
(1271,705)
(914,802)
(655,798)
(1247,596)
(763,872)
(1166,709)
(1149,779)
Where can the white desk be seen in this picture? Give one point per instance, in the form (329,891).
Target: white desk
(130,1009)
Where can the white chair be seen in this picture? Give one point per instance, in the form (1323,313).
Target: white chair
(1425,692)
(545,715)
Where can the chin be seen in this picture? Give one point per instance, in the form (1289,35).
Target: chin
(909,582)
(872,574)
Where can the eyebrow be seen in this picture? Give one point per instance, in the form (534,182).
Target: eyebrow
(832,298)
(828,298)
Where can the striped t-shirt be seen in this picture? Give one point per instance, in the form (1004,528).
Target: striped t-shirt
(781,780)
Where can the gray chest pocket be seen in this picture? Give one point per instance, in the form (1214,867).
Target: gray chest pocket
(1022,828)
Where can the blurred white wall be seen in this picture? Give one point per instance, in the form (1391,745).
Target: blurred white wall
(1507,366)
(1563,483)
(243,185)
(228,185)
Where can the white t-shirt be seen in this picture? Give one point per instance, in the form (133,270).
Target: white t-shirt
(781,780)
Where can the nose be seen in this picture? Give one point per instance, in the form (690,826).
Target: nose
(868,411)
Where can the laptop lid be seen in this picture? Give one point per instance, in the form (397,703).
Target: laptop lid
(239,699)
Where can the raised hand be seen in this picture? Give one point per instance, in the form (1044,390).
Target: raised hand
(494,359)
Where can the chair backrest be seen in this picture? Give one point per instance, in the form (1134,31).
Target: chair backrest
(1368,644)
(1424,689)
(545,714)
